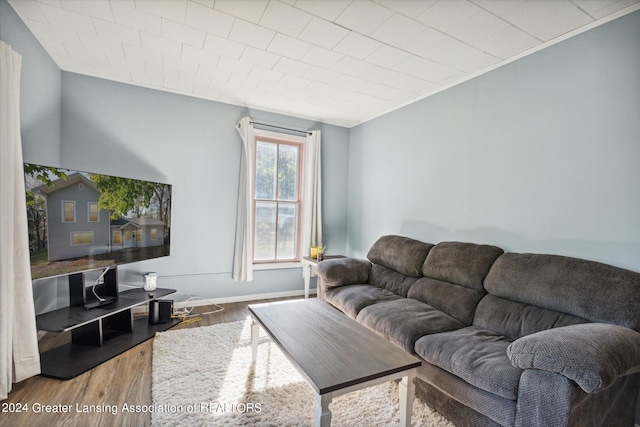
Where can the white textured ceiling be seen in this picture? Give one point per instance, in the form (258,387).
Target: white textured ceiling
(336,61)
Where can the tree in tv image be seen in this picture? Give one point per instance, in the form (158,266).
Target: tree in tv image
(80,221)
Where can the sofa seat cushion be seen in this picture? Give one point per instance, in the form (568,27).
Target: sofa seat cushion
(403,321)
(476,355)
(351,299)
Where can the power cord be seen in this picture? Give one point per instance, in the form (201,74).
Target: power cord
(187,315)
(93,288)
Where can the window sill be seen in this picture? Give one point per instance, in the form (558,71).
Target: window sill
(277,266)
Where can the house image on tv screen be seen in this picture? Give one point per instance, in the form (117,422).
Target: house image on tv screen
(136,233)
(77,227)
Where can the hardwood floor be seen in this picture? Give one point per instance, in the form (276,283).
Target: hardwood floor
(96,397)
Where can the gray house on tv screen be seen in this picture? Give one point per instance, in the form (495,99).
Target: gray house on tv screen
(77,227)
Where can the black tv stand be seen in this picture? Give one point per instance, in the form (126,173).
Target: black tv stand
(99,334)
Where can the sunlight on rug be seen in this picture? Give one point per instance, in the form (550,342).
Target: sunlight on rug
(204,376)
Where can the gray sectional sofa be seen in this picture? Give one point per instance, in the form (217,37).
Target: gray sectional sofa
(506,339)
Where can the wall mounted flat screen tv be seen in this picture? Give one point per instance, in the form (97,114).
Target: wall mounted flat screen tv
(81,221)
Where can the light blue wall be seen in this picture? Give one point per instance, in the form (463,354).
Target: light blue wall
(541,155)
(40,119)
(40,91)
(190,143)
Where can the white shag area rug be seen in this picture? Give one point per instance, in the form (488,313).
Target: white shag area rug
(204,376)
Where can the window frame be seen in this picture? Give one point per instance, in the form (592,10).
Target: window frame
(290,140)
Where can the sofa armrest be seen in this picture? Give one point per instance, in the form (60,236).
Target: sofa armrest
(343,271)
(593,355)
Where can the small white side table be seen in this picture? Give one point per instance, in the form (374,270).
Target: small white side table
(309,269)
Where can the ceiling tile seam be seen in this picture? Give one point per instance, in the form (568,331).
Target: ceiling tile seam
(593,18)
(91,16)
(409,16)
(388,45)
(403,49)
(412,53)
(511,24)
(184,18)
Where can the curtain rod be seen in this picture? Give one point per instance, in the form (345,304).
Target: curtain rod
(280,127)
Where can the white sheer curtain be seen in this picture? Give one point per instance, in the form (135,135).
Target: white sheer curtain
(243,254)
(312,200)
(312,208)
(19,357)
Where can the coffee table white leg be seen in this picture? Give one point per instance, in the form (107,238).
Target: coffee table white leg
(407,390)
(323,414)
(255,328)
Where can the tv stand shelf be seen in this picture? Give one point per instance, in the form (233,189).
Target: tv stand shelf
(99,334)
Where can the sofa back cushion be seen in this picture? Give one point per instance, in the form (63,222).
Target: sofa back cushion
(454,272)
(515,319)
(465,264)
(457,301)
(386,278)
(401,254)
(583,289)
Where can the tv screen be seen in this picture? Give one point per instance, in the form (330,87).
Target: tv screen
(80,221)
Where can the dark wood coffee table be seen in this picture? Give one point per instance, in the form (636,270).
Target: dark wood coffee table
(334,353)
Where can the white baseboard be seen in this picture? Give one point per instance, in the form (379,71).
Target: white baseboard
(241,298)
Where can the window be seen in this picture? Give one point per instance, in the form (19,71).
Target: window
(68,211)
(117,237)
(154,233)
(94,216)
(277,199)
(81,238)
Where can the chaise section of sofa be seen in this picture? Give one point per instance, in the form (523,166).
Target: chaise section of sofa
(506,339)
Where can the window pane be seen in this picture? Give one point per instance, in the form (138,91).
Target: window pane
(266,160)
(287,230)
(93,212)
(69,212)
(82,238)
(117,237)
(288,173)
(265,238)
